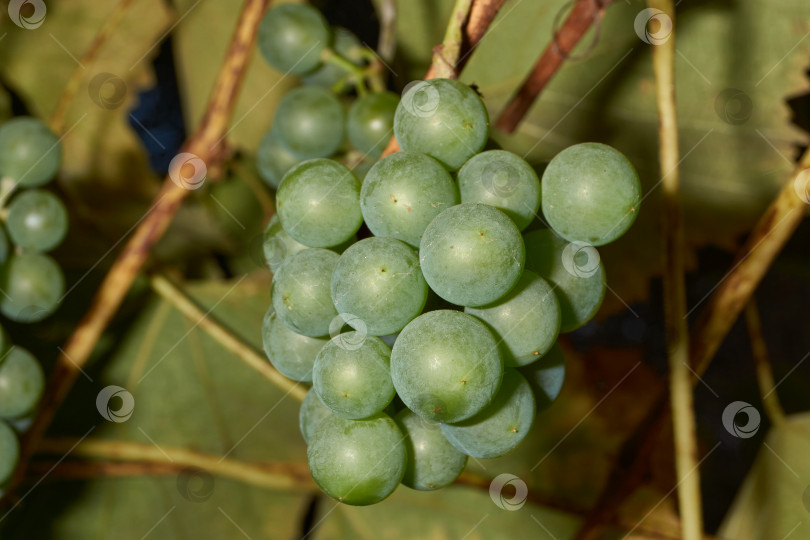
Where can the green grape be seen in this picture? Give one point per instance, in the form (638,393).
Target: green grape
(357,462)
(445,366)
(575,272)
(503,180)
(291,353)
(9,452)
(278,245)
(591,193)
(433,462)
(292,37)
(33,285)
(318,203)
(5,247)
(30,153)
(444,119)
(328,75)
(21,383)
(402,193)
(526,321)
(301,294)
(310,121)
(378,281)
(371,122)
(352,375)
(546,376)
(312,412)
(273,160)
(37,220)
(501,426)
(471,254)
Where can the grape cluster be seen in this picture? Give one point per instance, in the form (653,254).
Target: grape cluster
(312,121)
(35,221)
(21,384)
(453,302)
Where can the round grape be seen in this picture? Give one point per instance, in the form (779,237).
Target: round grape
(403,192)
(433,462)
(503,180)
(591,193)
(371,122)
(471,254)
(33,285)
(292,37)
(546,377)
(30,153)
(378,280)
(574,270)
(328,75)
(278,245)
(352,375)
(273,160)
(444,119)
(9,452)
(445,366)
(21,383)
(312,412)
(310,121)
(357,462)
(318,203)
(37,220)
(501,426)
(291,353)
(526,321)
(301,294)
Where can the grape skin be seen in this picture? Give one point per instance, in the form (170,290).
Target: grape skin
(9,452)
(312,412)
(546,377)
(445,366)
(292,37)
(378,280)
(21,383)
(433,462)
(354,382)
(273,160)
(291,353)
(301,292)
(501,426)
(34,285)
(310,122)
(371,122)
(37,220)
(591,193)
(471,254)
(30,154)
(357,462)
(403,192)
(278,245)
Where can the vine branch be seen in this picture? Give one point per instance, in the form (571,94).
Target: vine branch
(185,305)
(680,376)
(584,14)
(759,349)
(204,143)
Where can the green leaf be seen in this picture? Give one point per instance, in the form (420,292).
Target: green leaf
(774,500)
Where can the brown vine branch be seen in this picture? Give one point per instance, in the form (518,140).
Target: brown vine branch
(204,143)
(674,289)
(759,349)
(584,14)
(481,15)
(257,361)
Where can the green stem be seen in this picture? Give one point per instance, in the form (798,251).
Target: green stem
(356,73)
(445,57)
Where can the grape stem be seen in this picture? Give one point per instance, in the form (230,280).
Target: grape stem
(584,14)
(387,42)
(446,55)
(178,298)
(759,349)
(674,287)
(205,143)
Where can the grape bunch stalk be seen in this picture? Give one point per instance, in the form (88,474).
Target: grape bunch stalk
(423,300)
